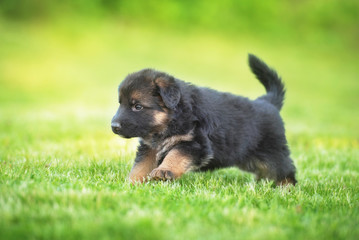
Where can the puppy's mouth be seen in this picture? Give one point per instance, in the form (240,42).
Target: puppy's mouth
(124,135)
(127,132)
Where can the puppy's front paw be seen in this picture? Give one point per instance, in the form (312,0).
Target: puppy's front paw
(162,174)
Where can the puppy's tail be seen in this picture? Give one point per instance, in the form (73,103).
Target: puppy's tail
(270,79)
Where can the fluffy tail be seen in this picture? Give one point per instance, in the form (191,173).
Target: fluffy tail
(270,79)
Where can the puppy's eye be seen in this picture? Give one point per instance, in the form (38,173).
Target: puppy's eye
(137,107)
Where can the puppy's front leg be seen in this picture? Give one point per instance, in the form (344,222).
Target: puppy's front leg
(145,162)
(174,165)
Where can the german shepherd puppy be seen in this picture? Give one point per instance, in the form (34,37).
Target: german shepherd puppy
(184,128)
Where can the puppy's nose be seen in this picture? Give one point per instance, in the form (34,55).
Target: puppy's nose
(115,127)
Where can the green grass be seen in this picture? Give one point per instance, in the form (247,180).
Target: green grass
(63,173)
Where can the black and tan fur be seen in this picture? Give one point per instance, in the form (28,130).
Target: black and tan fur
(184,128)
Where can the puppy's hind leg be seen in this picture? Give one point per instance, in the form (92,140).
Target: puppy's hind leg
(285,172)
(277,168)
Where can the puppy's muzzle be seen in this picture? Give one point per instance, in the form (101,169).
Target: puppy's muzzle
(116,127)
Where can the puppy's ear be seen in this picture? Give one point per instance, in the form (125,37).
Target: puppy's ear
(168,90)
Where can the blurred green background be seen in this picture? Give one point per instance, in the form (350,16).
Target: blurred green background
(61,63)
(74,53)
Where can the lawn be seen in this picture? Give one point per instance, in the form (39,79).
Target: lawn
(63,172)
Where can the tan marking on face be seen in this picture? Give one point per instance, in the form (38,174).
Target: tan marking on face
(142,98)
(136,95)
(174,165)
(141,170)
(159,117)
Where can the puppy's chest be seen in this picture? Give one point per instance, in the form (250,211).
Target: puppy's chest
(164,145)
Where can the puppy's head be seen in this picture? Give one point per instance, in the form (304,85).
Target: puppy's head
(147,99)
